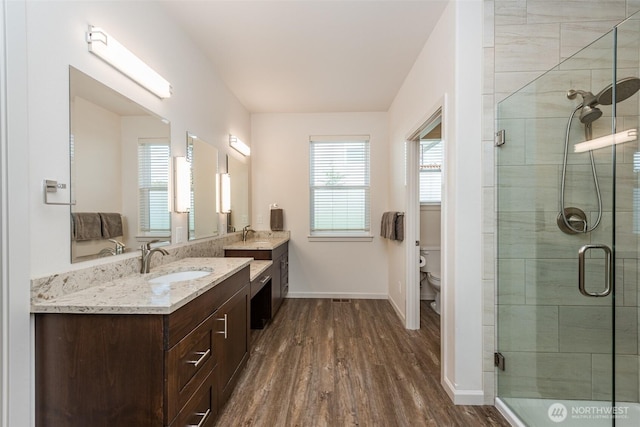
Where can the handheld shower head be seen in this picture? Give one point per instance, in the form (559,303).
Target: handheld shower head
(590,112)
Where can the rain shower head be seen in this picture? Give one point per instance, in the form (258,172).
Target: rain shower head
(625,88)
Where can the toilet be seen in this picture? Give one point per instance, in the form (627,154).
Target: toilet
(430,268)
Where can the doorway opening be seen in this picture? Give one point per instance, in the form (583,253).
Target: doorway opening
(425,180)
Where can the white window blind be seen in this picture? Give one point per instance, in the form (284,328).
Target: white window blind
(153,183)
(431,158)
(339,185)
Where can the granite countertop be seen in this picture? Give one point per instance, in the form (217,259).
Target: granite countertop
(135,295)
(269,243)
(258,267)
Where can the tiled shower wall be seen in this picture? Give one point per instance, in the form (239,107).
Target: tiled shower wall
(522,40)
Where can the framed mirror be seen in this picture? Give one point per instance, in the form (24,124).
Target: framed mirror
(203,218)
(239,175)
(120,155)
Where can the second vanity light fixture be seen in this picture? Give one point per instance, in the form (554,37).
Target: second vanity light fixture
(115,54)
(182,181)
(239,146)
(224,198)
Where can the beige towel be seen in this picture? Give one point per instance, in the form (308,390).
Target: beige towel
(388,225)
(399,226)
(277,219)
(86,226)
(111,225)
(392,226)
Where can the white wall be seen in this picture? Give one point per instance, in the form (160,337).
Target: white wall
(430,228)
(36,236)
(17,357)
(280,174)
(453,78)
(419,97)
(56,30)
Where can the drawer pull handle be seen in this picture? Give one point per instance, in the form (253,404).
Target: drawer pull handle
(265,279)
(204,416)
(225,327)
(203,355)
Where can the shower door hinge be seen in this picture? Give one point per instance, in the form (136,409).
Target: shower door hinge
(498,360)
(500,138)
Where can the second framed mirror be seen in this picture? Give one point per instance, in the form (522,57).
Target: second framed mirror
(203,157)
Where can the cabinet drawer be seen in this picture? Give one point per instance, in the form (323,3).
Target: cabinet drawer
(188,363)
(201,410)
(181,322)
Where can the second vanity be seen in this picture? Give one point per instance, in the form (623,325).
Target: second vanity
(137,353)
(275,249)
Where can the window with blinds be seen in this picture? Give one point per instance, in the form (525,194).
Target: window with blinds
(431,158)
(339,185)
(153,184)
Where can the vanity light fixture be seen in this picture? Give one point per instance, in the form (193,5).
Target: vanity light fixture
(606,141)
(239,146)
(112,52)
(225,193)
(182,170)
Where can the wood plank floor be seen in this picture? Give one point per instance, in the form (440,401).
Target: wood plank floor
(327,363)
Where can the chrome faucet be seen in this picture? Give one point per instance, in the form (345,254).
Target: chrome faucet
(146,255)
(120,247)
(246,231)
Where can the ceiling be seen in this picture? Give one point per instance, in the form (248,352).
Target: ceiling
(306,56)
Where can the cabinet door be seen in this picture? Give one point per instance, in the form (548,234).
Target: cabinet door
(276,287)
(284,274)
(232,341)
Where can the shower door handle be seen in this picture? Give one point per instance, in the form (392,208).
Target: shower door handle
(607,266)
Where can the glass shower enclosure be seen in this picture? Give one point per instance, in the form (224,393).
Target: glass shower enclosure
(568,221)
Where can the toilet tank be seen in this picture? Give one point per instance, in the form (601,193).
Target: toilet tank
(432,256)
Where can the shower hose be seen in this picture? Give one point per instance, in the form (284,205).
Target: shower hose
(588,135)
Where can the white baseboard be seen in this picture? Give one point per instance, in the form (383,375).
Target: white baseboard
(463,397)
(398,311)
(508,414)
(328,295)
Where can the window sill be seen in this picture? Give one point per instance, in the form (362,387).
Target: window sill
(340,238)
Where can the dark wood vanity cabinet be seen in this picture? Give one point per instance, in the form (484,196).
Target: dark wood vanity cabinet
(233,342)
(172,370)
(280,269)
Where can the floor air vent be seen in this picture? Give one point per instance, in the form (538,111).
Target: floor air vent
(341,300)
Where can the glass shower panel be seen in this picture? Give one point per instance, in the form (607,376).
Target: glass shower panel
(627,226)
(557,343)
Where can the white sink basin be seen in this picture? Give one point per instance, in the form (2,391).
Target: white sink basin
(179,277)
